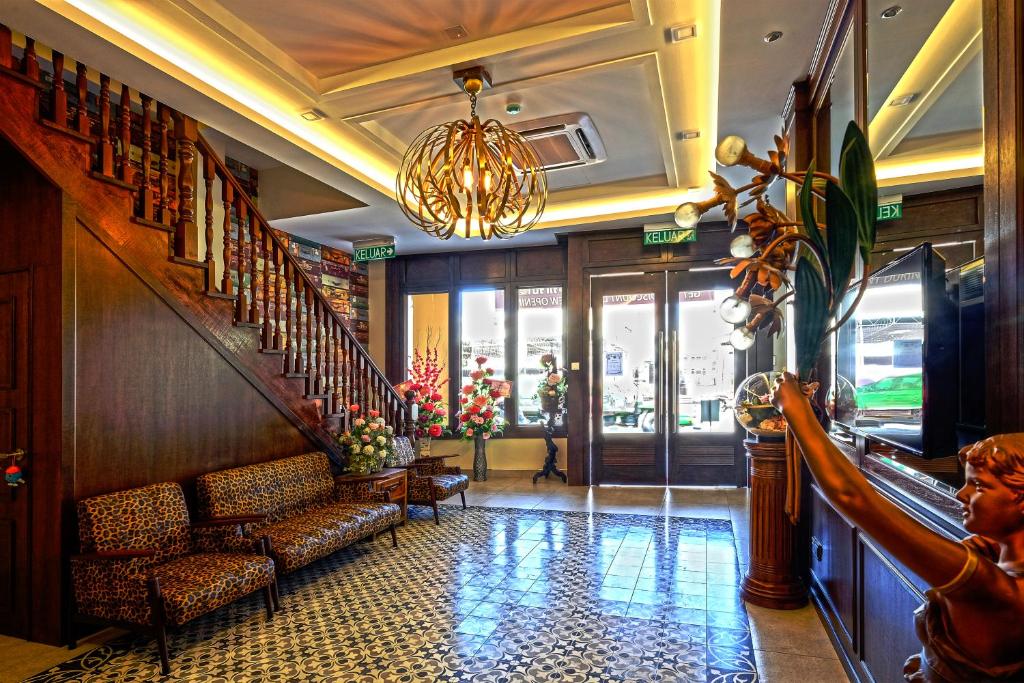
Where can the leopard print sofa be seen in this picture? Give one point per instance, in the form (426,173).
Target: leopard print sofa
(304,521)
(154,518)
(431,481)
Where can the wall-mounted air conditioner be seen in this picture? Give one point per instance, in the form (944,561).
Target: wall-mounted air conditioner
(564,141)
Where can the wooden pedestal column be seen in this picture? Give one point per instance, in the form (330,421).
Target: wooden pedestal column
(773,578)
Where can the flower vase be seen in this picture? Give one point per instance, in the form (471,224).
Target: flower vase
(479,458)
(423,447)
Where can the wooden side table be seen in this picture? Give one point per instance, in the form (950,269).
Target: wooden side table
(390,479)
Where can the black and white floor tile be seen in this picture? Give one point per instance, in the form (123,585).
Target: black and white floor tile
(493,594)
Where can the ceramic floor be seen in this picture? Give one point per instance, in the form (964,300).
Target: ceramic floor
(533,583)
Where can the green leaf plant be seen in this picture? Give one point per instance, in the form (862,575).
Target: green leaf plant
(821,256)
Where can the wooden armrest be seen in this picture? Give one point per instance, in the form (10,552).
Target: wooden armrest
(115,555)
(229,521)
(428,458)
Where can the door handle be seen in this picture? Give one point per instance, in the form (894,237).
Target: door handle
(659,385)
(673,379)
(13,474)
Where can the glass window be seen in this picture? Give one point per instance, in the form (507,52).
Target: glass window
(483,331)
(628,339)
(705,362)
(428,331)
(539,331)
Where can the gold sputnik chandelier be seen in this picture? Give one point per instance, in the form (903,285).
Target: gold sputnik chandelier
(471,178)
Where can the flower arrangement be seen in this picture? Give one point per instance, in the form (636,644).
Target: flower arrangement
(552,389)
(368,442)
(425,380)
(480,414)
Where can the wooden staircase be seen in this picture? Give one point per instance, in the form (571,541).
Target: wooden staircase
(270,320)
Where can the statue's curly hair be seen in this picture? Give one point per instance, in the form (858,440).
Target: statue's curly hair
(1003,456)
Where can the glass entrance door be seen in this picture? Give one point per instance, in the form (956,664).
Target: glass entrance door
(664,377)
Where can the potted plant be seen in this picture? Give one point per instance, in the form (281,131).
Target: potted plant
(480,416)
(432,413)
(368,443)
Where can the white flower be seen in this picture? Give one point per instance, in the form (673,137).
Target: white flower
(381,440)
(379,420)
(389,429)
(367,450)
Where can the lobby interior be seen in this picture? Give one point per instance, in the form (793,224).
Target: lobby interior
(438,341)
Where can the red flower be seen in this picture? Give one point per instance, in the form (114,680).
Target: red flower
(435,430)
(436,397)
(419,433)
(481,401)
(495,393)
(374,413)
(480,360)
(354,408)
(415,386)
(464,417)
(489,371)
(474,409)
(487,414)
(468,389)
(463,400)
(428,407)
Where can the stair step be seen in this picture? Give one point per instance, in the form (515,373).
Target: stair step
(313,397)
(181,260)
(255,326)
(113,181)
(296,375)
(22,77)
(273,352)
(67,131)
(152,224)
(222,295)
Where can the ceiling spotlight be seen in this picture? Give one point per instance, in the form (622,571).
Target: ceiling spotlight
(890,12)
(513,108)
(313,115)
(772,37)
(903,100)
(680,33)
(457,32)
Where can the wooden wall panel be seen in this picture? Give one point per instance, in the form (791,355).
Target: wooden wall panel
(952,219)
(630,248)
(888,606)
(155,401)
(484,265)
(544,262)
(426,270)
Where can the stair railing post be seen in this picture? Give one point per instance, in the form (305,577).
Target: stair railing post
(410,416)
(6,46)
(186,232)
(60,95)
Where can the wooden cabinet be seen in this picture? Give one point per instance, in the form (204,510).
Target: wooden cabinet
(393,481)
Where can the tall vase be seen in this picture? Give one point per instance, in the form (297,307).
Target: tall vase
(479,458)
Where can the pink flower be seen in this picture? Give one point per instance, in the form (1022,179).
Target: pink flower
(435,397)
(469,431)
(359,422)
(374,413)
(487,435)
(554,378)
(479,420)
(489,371)
(440,412)
(468,389)
(354,408)
(477,375)
(365,438)
(480,360)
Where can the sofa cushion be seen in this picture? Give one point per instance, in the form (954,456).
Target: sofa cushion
(196,584)
(404,454)
(299,540)
(279,489)
(152,517)
(445,486)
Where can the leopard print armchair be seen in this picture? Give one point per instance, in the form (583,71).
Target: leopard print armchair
(143,563)
(431,481)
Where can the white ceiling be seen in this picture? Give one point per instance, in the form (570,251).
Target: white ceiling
(382,72)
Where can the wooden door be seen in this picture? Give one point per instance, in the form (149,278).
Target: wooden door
(628,370)
(704,442)
(14,433)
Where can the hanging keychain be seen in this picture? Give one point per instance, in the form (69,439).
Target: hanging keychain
(13,474)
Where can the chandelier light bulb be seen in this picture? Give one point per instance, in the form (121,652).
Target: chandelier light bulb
(730,150)
(742,246)
(734,310)
(741,338)
(687,215)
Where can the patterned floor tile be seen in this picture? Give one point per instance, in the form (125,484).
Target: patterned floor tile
(494,594)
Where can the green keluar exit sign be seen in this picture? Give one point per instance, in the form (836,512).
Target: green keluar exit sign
(374,252)
(669,236)
(890,208)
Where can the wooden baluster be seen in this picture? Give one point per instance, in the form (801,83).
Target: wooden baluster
(60,96)
(186,233)
(267,333)
(318,379)
(146,187)
(82,86)
(278,276)
(125,109)
(106,146)
(6,47)
(242,307)
(336,347)
(227,196)
(209,173)
(328,379)
(29,62)
(298,366)
(254,264)
(163,116)
(287,314)
(308,313)
(350,387)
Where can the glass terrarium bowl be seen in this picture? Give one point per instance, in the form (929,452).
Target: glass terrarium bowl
(753,406)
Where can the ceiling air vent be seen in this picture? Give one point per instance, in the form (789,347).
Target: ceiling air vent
(564,141)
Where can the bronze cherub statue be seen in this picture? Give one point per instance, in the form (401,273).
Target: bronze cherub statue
(972,626)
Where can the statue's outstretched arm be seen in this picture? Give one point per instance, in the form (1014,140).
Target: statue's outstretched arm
(933,557)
